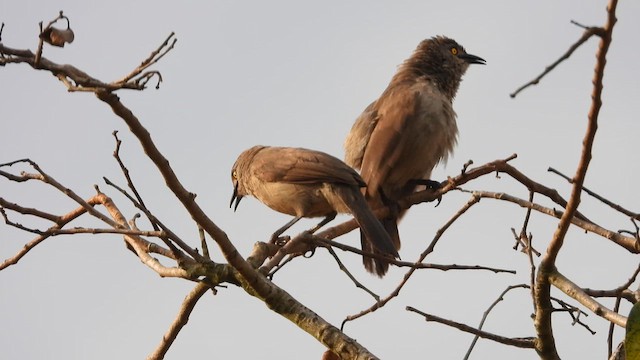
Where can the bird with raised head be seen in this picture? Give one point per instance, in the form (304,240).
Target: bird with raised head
(308,183)
(400,137)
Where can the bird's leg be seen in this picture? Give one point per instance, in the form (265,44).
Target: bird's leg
(429,184)
(324,222)
(276,239)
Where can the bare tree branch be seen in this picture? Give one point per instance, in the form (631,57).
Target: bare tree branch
(63,220)
(357,283)
(486,314)
(586,35)
(517,342)
(616,308)
(628,243)
(29,211)
(547,268)
(127,176)
(77,80)
(574,291)
(169,234)
(614,206)
(153,58)
(621,291)
(181,320)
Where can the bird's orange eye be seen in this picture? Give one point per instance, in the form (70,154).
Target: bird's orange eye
(454,51)
(234,174)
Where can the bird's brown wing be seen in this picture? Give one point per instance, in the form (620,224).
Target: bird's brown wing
(357,139)
(303,166)
(395,109)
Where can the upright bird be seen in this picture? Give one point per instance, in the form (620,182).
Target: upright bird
(308,183)
(411,127)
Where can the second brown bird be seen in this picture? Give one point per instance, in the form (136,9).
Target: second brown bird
(308,183)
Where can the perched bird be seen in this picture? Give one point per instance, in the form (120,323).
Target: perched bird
(411,127)
(308,183)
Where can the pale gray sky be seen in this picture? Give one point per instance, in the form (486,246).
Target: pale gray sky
(297,74)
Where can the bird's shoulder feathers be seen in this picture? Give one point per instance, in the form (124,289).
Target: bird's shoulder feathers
(303,166)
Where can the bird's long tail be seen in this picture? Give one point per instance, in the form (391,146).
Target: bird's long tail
(373,236)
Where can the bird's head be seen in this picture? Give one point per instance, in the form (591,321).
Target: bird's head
(240,172)
(443,52)
(443,61)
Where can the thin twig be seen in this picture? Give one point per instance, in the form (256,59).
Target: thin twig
(289,258)
(527,343)
(153,58)
(614,206)
(486,314)
(357,283)
(28,211)
(574,312)
(18,225)
(127,176)
(620,291)
(523,237)
(414,265)
(586,35)
(616,308)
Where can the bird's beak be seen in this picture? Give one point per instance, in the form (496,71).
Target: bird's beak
(472,59)
(235,197)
